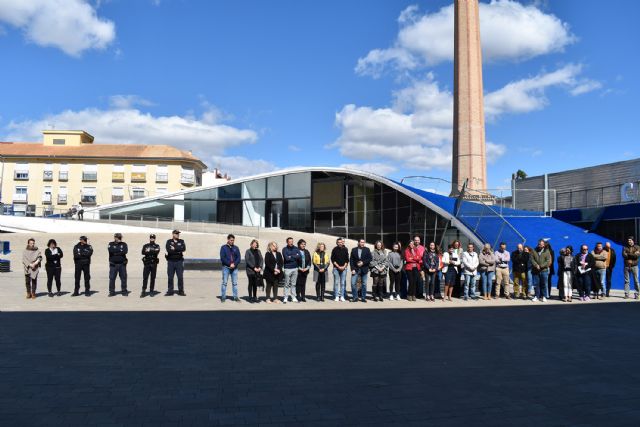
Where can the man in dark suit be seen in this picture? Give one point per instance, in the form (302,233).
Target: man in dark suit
(359,262)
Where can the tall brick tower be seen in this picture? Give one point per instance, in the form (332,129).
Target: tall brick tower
(469,160)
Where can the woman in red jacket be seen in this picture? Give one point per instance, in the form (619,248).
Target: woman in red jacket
(412,269)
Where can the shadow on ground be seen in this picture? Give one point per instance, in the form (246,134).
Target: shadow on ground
(542,365)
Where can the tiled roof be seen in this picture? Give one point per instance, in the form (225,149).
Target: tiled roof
(118,151)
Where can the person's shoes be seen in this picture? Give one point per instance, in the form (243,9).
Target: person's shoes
(337,299)
(284,300)
(168,294)
(375,299)
(182,294)
(58,294)
(466,298)
(303,299)
(50,294)
(112,294)
(364,300)
(342,299)
(587,298)
(33,295)
(354,299)
(544,299)
(294,299)
(236,299)
(143,294)
(636,296)
(75,294)
(125,293)
(626,296)
(398,298)
(222,299)
(152,293)
(87,293)
(29,295)
(535,299)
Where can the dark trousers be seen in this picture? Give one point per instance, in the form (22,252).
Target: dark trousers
(272,286)
(394,282)
(117,270)
(608,279)
(584,284)
(253,285)
(149,272)
(430,283)
(177,268)
(301,285)
(53,273)
(83,270)
(30,283)
(420,285)
(549,282)
(379,283)
(412,276)
(320,285)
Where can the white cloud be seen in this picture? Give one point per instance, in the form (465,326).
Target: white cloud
(510,31)
(527,95)
(128,101)
(132,126)
(381,169)
(238,166)
(72,26)
(294,148)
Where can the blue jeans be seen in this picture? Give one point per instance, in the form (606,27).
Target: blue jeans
(339,282)
(631,273)
(601,275)
(470,285)
(530,283)
(354,285)
(540,283)
(226,272)
(487,282)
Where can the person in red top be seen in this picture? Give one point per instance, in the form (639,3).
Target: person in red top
(420,249)
(412,269)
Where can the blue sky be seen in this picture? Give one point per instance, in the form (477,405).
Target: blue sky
(252,86)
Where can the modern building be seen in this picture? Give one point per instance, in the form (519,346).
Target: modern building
(67,168)
(349,203)
(603,199)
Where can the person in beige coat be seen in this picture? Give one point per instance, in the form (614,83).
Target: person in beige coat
(31,260)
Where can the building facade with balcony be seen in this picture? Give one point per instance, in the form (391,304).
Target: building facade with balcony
(67,169)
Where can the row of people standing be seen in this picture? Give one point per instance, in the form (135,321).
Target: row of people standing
(118,250)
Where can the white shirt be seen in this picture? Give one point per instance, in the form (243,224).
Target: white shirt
(470,262)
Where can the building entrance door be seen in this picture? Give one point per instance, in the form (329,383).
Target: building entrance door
(274,213)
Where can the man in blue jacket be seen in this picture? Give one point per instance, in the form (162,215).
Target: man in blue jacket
(291,256)
(230,258)
(359,260)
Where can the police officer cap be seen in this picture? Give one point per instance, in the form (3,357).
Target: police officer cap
(83,238)
(118,236)
(176,232)
(152,236)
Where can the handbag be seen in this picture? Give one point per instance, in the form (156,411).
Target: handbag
(260,281)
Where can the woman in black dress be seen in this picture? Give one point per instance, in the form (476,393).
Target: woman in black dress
(53,254)
(253,261)
(273,264)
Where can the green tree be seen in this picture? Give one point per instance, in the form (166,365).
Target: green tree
(521,174)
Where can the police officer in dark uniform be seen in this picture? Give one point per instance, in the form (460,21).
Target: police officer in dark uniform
(175,262)
(118,264)
(150,260)
(82,252)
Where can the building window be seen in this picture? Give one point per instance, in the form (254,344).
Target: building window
(63,175)
(137,193)
(162,173)
(62,195)
(20,195)
(46,196)
(118,173)
(58,142)
(117,194)
(47,175)
(88,196)
(90,173)
(21,172)
(161,191)
(187,176)
(139,173)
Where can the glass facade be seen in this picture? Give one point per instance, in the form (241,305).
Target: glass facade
(369,209)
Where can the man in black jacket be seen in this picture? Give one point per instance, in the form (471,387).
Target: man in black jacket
(150,261)
(175,262)
(520,265)
(611,264)
(359,261)
(118,264)
(304,264)
(82,259)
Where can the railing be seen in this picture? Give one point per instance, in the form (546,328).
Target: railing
(63,176)
(47,176)
(89,176)
(46,198)
(19,198)
(62,199)
(117,176)
(138,177)
(115,199)
(162,177)
(186,178)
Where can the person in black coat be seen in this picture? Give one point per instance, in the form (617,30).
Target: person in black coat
(53,254)
(82,253)
(253,261)
(273,266)
(552,269)
(304,266)
(150,260)
(359,261)
(117,264)
(585,265)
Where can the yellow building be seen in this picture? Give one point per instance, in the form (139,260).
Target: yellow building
(67,169)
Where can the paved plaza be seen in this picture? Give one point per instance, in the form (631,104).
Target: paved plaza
(237,364)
